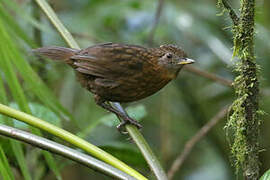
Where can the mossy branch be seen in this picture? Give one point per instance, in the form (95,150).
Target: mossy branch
(244,120)
(227,7)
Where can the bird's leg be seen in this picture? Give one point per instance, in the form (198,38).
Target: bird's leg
(126,119)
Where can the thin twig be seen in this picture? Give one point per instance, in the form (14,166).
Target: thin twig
(195,139)
(64,151)
(232,13)
(208,75)
(156,21)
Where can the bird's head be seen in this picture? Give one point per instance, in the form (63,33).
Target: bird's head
(173,58)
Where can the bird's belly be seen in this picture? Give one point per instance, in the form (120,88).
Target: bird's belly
(124,89)
(129,91)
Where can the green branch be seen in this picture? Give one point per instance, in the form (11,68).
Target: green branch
(46,8)
(145,149)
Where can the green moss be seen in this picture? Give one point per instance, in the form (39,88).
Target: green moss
(243,123)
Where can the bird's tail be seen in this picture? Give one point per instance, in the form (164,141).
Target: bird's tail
(55,52)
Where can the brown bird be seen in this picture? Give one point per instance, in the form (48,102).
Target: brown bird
(120,72)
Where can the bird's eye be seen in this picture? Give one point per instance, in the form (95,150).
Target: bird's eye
(169,55)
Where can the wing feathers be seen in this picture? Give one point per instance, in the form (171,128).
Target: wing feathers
(84,57)
(90,69)
(110,61)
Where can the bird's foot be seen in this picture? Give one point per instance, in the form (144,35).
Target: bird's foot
(127,120)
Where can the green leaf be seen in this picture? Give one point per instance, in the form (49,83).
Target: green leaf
(25,16)
(266,175)
(5,168)
(9,52)
(13,26)
(37,86)
(32,80)
(44,113)
(14,85)
(52,164)
(19,154)
(3,171)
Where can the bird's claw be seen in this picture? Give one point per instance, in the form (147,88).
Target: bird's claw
(127,120)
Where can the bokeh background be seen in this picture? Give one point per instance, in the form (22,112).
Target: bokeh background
(170,117)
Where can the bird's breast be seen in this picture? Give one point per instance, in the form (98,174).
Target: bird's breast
(140,85)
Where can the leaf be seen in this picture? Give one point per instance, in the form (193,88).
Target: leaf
(15,88)
(5,168)
(52,164)
(13,26)
(32,80)
(266,175)
(25,16)
(9,52)
(3,171)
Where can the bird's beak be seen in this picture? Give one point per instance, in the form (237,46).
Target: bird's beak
(186,61)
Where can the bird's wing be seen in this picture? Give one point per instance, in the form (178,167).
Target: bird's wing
(111,60)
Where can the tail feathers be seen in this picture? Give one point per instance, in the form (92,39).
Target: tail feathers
(55,52)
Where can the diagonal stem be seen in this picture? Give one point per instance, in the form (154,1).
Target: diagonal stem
(232,13)
(156,21)
(194,140)
(209,75)
(145,149)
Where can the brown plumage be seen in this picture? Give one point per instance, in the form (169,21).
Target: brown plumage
(119,72)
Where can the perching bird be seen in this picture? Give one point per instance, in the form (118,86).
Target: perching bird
(120,72)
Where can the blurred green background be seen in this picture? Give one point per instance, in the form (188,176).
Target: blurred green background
(170,117)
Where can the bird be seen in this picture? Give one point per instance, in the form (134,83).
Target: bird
(123,73)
